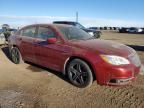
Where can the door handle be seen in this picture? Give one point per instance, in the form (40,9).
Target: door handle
(35,43)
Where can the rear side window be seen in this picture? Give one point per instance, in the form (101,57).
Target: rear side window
(18,32)
(45,33)
(29,32)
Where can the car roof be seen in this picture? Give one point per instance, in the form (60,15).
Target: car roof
(53,25)
(64,21)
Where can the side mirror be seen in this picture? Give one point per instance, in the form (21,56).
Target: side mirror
(51,40)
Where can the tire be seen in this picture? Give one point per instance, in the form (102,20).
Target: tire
(16,55)
(79,73)
(97,34)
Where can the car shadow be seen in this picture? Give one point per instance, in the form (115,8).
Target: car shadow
(6,52)
(137,47)
(37,68)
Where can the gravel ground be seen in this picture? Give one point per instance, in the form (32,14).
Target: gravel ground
(30,86)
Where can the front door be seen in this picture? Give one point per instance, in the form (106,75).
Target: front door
(49,55)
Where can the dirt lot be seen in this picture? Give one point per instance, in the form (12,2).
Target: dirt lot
(30,86)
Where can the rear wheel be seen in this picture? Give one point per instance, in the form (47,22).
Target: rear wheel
(16,55)
(80,73)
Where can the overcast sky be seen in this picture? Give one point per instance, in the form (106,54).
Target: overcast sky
(91,12)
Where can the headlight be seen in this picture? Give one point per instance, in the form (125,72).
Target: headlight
(115,60)
(91,33)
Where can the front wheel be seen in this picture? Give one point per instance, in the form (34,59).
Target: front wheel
(80,73)
(16,55)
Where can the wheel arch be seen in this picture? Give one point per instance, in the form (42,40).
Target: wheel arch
(11,46)
(14,46)
(68,60)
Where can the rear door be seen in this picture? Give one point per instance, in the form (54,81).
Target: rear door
(27,43)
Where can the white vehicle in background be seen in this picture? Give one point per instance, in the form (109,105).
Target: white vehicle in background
(143,30)
(2,39)
(134,30)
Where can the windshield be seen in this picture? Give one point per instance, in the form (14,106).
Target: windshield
(73,33)
(78,25)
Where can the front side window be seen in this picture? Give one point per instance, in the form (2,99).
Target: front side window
(29,32)
(45,33)
(73,33)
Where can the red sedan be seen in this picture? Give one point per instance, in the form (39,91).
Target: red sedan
(75,53)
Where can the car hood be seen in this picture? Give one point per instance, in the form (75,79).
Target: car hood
(104,47)
(89,30)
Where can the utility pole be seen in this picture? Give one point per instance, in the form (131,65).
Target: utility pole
(77,16)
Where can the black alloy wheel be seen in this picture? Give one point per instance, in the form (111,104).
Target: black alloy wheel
(80,73)
(15,55)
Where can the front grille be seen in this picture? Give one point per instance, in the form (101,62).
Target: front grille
(134,58)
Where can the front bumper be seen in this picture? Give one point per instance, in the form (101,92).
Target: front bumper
(107,74)
(117,75)
(122,76)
